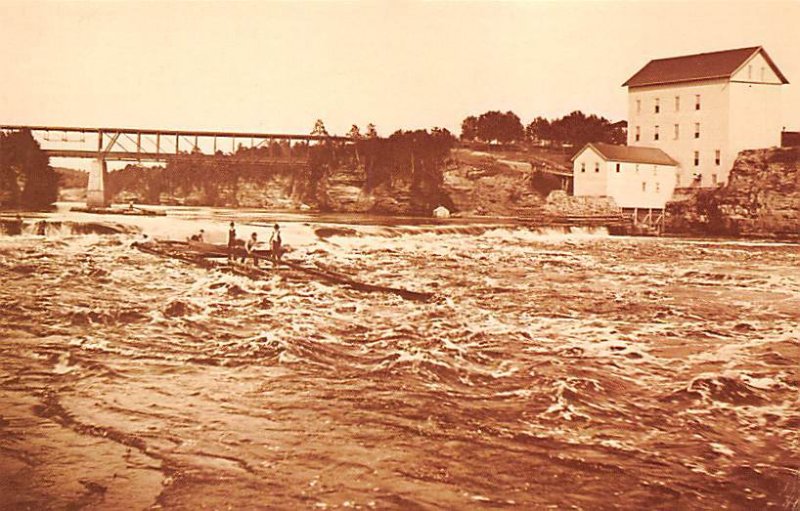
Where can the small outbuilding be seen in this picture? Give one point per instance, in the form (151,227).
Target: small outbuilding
(635,177)
(441,212)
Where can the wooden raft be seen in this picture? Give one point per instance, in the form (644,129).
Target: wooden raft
(202,255)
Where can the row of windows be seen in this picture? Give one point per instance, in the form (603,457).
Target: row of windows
(618,167)
(697,177)
(676,132)
(657,104)
(717,158)
(644,186)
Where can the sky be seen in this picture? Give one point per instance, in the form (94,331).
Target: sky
(277,67)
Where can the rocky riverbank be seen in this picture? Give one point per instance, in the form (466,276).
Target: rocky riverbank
(472,183)
(761,199)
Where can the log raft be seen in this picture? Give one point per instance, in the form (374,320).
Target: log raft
(203,255)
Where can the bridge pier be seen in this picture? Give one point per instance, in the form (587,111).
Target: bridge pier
(96,193)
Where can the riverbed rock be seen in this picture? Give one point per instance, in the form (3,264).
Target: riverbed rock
(479,183)
(761,199)
(559,203)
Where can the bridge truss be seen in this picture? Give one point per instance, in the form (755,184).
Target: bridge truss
(133,144)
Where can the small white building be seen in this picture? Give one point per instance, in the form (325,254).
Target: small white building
(635,177)
(704,109)
(441,212)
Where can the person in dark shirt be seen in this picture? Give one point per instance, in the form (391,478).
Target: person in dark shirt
(250,247)
(275,245)
(231,241)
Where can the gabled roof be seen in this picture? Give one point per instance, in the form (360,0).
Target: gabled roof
(629,154)
(703,66)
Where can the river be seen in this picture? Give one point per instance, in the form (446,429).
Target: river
(553,370)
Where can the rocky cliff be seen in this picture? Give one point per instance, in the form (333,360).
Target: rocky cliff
(761,199)
(480,183)
(472,183)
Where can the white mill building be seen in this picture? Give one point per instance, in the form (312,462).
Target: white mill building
(697,112)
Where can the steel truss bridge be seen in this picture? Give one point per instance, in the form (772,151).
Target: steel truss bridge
(133,144)
(161,145)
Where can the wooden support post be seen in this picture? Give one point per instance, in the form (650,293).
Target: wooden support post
(158,143)
(195,142)
(177,143)
(138,142)
(215,144)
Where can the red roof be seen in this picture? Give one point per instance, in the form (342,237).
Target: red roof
(630,154)
(704,66)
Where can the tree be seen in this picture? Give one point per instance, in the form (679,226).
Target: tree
(372,132)
(539,129)
(500,127)
(579,129)
(26,177)
(319,129)
(354,133)
(469,128)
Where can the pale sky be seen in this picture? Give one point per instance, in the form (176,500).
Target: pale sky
(276,67)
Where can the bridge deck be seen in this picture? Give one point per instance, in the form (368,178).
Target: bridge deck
(148,156)
(179,133)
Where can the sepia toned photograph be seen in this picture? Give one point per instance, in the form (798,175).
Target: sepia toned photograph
(400,255)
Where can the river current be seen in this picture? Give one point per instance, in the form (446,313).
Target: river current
(553,370)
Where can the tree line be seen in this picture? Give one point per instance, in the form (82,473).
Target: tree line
(410,159)
(575,128)
(406,157)
(26,178)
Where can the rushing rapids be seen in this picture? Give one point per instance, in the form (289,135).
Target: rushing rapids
(551,371)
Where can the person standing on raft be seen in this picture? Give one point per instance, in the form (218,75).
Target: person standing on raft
(231,242)
(275,245)
(250,247)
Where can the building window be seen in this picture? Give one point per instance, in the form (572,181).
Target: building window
(618,166)
(696,158)
(655,169)
(677,131)
(677,180)
(644,186)
(697,102)
(638,133)
(655,133)
(713,179)
(658,187)
(697,130)
(583,167)
(658,106)
(717,157)
(596,167)
(677,103)
(763,75)
(637,167)
(638,106)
